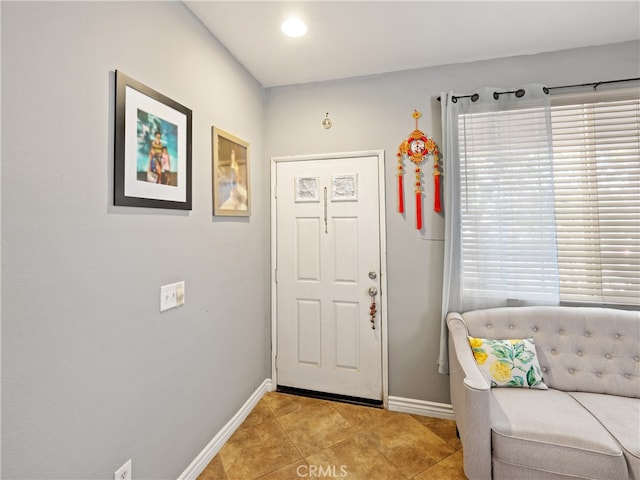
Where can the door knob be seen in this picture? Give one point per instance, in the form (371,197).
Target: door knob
(372,275)
(373,291)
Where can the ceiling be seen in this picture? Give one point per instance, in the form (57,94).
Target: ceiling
(354,38)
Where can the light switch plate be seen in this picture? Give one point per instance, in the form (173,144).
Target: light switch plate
(168,297)
(171,296)
(180,293)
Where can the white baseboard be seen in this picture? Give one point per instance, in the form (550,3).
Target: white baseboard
(421,407)
(213,447)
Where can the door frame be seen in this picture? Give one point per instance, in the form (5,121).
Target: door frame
(382,307)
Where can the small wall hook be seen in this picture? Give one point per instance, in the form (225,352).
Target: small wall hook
(327,123)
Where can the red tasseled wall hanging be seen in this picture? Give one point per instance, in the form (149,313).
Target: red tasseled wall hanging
(416,147)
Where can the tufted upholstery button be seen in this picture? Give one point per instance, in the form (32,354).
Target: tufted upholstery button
(535,329)
(579,353)
(488,325)
(544,369)
(587,334)
(598,374)
(571,370)
(616,336)
(510,327)
(607,356)
(561,332)
(553,350)
(636,358)
(627,376)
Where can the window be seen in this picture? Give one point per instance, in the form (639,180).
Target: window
(596,147)
(543,228)
(507,218)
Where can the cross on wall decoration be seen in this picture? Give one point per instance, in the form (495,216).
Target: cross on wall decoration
(416,148)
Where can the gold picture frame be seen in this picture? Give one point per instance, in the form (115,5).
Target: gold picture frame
(231,189)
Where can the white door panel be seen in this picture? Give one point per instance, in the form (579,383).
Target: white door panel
(328,240)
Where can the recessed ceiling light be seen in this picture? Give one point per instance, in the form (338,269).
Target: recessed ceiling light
(294,27)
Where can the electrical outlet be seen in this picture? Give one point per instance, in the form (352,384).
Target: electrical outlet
(124,472)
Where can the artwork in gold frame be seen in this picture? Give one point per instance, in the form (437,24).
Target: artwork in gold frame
(230,171)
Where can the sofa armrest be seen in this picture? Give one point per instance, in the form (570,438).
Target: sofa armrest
(473,377)
(470,398)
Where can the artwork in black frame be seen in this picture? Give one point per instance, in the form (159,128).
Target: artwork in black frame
(152,165)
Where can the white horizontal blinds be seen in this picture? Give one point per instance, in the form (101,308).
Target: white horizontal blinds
(597,187)
(507,218)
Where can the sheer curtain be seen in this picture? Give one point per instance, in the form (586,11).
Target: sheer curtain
(500,236)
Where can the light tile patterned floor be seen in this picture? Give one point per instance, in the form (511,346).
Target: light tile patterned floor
(287,437)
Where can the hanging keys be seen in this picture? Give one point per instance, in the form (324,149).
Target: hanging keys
(372,312)
(373,291)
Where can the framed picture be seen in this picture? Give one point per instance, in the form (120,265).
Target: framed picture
(152,148)
(230,169)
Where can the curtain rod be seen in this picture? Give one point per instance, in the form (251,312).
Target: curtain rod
(520,92)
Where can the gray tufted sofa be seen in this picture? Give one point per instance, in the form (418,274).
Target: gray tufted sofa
(586,425)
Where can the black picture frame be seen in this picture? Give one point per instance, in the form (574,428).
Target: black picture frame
(152,156)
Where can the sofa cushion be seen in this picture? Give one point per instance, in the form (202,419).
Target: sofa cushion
(549,431)
(508,363)
(506,471)
(580,349)
(621,417)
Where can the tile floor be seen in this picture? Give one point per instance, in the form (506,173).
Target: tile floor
(287,437)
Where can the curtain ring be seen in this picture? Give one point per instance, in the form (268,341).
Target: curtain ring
(496,95)
(520,93)
(475,97)
(454,99)
(545,90)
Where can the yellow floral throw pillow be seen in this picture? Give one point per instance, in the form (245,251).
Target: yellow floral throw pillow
(508,363)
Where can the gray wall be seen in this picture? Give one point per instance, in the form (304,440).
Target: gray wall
(375,113)
(92,373)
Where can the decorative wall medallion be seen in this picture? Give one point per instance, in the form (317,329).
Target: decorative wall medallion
(416,148)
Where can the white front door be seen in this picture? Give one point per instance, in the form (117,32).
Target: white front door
(328,251)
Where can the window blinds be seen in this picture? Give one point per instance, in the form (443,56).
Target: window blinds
(511,246)
(596,147)
(506,206)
